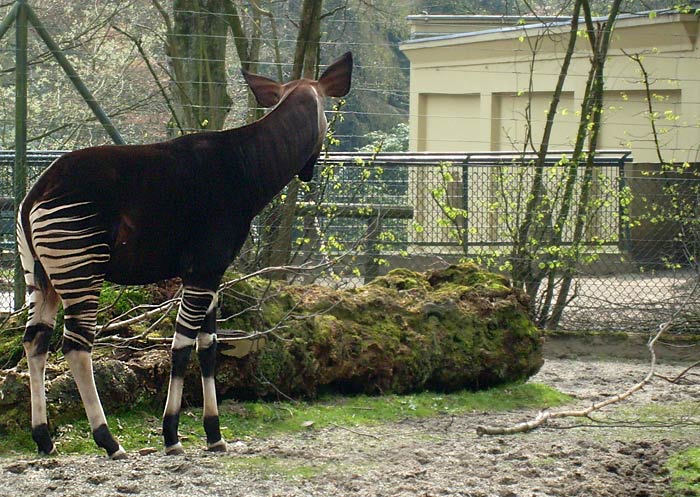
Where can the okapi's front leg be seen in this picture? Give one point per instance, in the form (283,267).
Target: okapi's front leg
(195,304)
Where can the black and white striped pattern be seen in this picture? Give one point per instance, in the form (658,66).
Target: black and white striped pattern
(196,302)
(72,247)
(73,251)
(195,323)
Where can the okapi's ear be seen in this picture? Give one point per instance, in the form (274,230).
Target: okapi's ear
(267,91)
(335,80)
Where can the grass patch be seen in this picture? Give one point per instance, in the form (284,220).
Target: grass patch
(684,469)
(259,419)
(658,414)
(289,468)
(141,427)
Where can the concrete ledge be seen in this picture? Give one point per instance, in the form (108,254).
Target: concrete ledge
(670,348)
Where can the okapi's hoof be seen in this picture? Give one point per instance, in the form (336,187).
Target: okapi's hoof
(119,454)
(51,452)
(174,450)
(219,446)
(42,438)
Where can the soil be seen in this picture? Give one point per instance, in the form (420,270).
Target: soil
(440,456)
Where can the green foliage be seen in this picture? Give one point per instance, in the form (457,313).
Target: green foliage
(488,228)
(684,469)
(394,140)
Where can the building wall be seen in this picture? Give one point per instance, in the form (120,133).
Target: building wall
(469,92)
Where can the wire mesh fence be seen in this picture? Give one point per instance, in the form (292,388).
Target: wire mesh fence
(365,214)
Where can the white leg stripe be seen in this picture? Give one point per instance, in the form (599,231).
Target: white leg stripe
(209,395)
(172,405)
(81,366)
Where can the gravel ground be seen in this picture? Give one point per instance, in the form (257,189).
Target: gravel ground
(439,456)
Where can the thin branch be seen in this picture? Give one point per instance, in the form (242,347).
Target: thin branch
(113,326)
(544,416)
(165,307)
(680,375)
(355,432)
(139,46)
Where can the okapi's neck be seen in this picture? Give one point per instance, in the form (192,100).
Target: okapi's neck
(278,146)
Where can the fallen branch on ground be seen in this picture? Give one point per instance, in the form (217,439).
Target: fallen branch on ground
(544,416)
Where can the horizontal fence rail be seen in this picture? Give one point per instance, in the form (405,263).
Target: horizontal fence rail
(376,212)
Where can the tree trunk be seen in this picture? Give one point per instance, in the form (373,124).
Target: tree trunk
(532,226)
(196,47)
(584,208)
(279,246)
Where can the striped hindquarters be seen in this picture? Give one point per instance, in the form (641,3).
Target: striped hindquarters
(70,244)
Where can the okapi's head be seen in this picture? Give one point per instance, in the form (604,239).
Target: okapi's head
(334,82)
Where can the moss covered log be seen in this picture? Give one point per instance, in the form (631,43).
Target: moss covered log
(459,327)
(453,328)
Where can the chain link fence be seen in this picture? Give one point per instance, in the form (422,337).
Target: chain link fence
(367,213)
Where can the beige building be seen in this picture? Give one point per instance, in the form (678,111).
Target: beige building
(471,82)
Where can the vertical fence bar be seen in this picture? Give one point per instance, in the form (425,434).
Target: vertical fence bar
(465,205)
(624,210)
(19,172)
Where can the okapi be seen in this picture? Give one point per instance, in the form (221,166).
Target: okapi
(143,213)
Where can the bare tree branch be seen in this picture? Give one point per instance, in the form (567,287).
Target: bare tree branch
(139,46)
(544,416)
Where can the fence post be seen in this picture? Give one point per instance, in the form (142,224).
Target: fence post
(465,205)
(625,230)
(19,173)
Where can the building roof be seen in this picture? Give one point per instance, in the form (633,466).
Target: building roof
(432,30)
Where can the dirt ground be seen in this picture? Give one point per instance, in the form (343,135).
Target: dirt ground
(440,456)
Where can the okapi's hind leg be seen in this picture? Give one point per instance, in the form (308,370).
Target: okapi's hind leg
(206,351)
(43,305)
(72,248)
(36,340)
(194,320)
(78,336)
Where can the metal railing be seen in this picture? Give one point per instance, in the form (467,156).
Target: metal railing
(388,210)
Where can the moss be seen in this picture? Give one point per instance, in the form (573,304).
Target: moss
(450,329)
(468,275)
(11,348)
(445,331)
(14,400)
(684,469)
(402,279)
(116,299)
